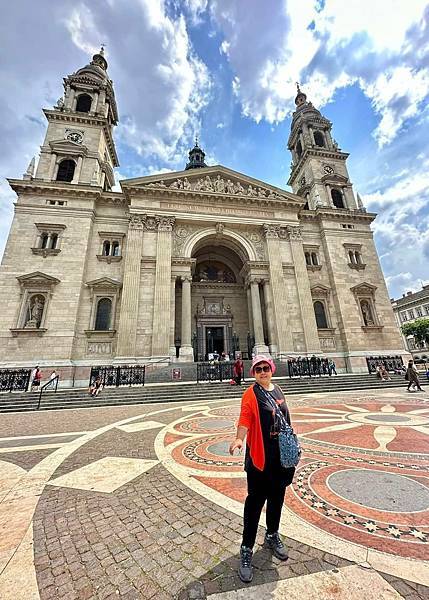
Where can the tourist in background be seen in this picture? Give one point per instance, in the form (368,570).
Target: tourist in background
(413,377)
(36,378)
(267,479)
(238,369)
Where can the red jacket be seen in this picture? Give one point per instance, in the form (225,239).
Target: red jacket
(249,417)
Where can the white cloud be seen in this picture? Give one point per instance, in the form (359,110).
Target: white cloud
(271,45)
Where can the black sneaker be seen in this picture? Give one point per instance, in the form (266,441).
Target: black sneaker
(275,543)
(245,570)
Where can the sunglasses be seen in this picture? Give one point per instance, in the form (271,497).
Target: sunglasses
(265,369)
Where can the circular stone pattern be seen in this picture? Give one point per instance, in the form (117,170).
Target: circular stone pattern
(380,490)
(389,418)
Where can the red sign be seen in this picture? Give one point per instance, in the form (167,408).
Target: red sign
(176,373)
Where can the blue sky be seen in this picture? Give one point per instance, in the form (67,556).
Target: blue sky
(226,69)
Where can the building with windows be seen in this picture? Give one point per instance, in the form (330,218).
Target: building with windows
(178,266)
(409,308)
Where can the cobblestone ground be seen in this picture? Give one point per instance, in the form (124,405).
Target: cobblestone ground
(118,513)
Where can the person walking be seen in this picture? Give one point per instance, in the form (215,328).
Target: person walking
(331,367)
(52,376)
(413,377)
(238,369)
(267,479)
(36,378)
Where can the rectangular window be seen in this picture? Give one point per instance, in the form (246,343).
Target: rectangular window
(404,317)
(419,312)
(427,309)
(411,314)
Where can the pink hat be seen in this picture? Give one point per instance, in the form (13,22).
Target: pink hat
(260,358)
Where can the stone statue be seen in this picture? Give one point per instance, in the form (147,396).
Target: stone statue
(230,187)
(60,103)
(186,184)
(239,189)
(251,191)
(207,184)
(219,184)
(35,312)
(262,193)
(366,313)
(175,185)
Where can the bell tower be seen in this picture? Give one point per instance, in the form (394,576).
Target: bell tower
(78,146)
(196,157)
(318,169)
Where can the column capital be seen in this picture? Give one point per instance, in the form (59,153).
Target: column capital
(271,230)
(295,233)
(136,221)
(187,278)
(165,223)
(252,280)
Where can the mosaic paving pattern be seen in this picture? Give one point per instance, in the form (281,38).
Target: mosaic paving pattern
(369,486)
(146,502)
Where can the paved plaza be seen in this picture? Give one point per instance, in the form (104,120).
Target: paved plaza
(146,502)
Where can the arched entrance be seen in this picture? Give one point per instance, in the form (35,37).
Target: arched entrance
(219,300)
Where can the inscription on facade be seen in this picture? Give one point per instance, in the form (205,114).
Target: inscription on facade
(217,210)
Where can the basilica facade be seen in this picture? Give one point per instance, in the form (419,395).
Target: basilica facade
(181,265)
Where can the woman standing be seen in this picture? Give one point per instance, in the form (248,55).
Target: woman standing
(266,478)
(238,369)
(413,377)
(37,376)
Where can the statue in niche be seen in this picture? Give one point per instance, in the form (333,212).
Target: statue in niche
(366,313)
(35,312)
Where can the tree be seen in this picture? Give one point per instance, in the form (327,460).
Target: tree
(419,329)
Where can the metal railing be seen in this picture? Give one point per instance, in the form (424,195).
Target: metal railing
(14,380)
(391,363)
(214,371)
(112,376)
(310,367)
(52,383)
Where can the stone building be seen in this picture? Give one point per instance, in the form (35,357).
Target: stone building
(409,308)
(177,266)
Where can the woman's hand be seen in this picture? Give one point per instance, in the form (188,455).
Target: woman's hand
(237,444)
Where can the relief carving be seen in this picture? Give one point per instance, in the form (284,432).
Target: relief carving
(257,242)
(218,185)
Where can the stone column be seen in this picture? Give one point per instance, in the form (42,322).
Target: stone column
(249,310)
(127,333)
(52,166)
(258,328)
(272,333)
(173,318)
(161,301)
(186,352)
(283,335)
(311,336)
(78,170)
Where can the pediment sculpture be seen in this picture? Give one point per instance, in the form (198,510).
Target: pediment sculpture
(217,185)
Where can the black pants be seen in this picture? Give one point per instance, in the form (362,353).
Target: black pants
(264,486)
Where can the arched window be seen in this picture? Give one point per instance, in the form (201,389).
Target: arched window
(83,103)
(308,258)
(358,258)
(106,248)
(115,249)
(337,198)
(44,240)
(299,148)
(66,170)
(319,139)
(54,241)
(351,257)
(320,314)
(314,259)
(102,319)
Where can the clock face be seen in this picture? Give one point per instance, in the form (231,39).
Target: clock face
(328,169)
(74,136)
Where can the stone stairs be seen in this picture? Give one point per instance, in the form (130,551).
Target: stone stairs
(178,392)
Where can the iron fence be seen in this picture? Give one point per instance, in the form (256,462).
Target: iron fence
(112,376)
(309,367)
(14,380)
(214,371)
(391,363)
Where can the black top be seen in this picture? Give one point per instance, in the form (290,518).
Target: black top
(269,426)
